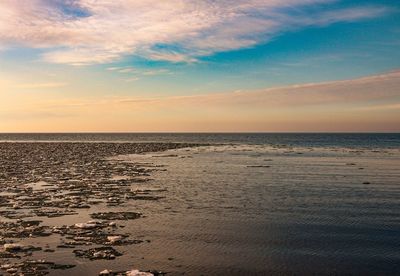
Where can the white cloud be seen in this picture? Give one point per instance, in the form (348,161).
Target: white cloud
(102,31)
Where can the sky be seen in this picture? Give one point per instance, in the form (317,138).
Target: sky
(199,66)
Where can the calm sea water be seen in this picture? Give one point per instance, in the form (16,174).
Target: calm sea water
(256,209)
(262,204)
(368,140)
(267,210)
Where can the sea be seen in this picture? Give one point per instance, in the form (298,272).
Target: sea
(348,140)
(260,204)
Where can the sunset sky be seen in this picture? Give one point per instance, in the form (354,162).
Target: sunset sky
(199,65)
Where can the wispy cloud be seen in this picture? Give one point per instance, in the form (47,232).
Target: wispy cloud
(82,32)
(127,70)
(356,92)
(139,72)
(132,79)
(41,85)
(380,107)
(156,72)
(364,104)
(173,57)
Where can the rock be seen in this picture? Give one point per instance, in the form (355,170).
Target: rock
(116,215)
(86,225)
(107,253)
(136,272)
(12,246)
(114,239)
(33,267)
(105,272)
(12,270)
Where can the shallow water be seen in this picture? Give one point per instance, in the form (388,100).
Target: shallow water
(254,210)
(262,210)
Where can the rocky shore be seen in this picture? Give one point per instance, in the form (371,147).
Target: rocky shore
(45,180)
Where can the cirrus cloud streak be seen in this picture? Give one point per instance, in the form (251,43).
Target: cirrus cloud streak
(83,32)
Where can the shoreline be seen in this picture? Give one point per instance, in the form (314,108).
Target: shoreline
(43,182)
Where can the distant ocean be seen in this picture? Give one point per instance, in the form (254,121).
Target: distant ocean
(348,140)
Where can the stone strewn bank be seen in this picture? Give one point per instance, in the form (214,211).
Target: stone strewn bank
(46,180)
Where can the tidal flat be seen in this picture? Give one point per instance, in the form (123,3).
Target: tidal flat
(100,208)
(49,194)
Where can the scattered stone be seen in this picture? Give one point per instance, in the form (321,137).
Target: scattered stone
(116,215)
(133,272)
(33,267)
(55,180)
(107,253)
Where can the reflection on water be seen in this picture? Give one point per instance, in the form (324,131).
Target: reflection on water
(256,210)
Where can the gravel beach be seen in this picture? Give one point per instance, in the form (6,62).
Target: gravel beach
(43,181)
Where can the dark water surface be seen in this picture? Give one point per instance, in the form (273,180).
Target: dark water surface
(246,210)
(369,140)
